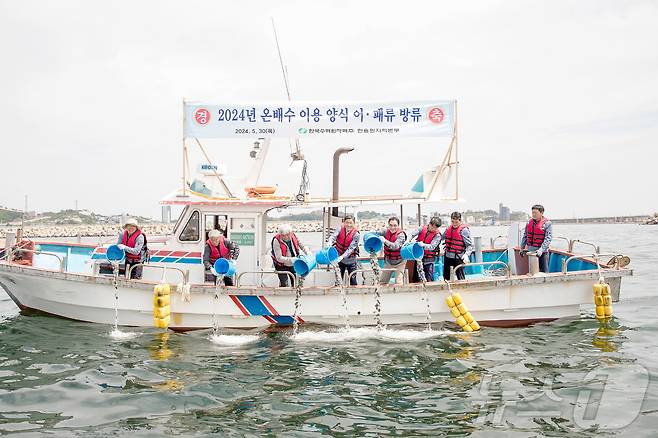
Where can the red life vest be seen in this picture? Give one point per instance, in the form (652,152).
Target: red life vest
(535,233)
(426,237)
(218,252)
(284,247)
(344,240)
(392,254)
(455,240)
(130,242)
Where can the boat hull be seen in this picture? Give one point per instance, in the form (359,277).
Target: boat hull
(494,301)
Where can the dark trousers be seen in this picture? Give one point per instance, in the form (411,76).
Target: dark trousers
(428,267)
(450,262)
(543,262)
(284,279)
(349,268)
(228,281)
(136,273)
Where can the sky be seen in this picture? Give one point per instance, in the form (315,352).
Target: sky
(558,100)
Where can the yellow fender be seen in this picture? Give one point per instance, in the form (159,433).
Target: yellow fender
(602,301)
(463,317)
(161,305)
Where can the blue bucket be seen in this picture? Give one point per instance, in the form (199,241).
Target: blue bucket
(225,267)
(372,242)
(326,256)
(303,265)
(114,253)
(412,251)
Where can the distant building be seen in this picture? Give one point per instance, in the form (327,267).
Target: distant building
(166,214)
(503,213)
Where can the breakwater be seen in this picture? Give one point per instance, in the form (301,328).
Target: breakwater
(159,229)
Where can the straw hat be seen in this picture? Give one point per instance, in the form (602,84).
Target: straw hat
(131,221)
(214,233)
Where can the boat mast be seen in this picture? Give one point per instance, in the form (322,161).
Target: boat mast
(295,151)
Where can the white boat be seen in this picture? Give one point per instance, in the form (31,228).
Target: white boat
(66,279)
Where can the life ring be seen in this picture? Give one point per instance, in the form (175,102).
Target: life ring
(256,191)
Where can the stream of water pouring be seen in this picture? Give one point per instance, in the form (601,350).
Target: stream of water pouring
(298,294)
(115,270)
(374,263)
(421,274)
(343,295)
(219,286)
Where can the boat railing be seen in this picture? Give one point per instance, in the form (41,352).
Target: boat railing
(563,238)
(11,251)
(185,274)
(348,277)
(453,269)
(582,242)
(293,278)
(596,256)
(495,239)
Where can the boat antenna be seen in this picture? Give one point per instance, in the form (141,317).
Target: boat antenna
(296,151)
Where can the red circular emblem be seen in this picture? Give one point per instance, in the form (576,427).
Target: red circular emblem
(202,116)
(436,115)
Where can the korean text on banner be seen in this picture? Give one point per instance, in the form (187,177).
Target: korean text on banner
(320,119)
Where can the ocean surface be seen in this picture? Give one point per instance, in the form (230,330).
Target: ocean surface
(569,378)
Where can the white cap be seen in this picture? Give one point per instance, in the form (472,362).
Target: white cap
(214,233)
(131,221)
(284,229)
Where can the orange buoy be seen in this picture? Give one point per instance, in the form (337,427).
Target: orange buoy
(256,191)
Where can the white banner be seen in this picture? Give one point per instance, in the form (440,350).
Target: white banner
(320,119)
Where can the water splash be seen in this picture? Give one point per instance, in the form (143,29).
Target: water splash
(233,340)
(364,333)
(119,335)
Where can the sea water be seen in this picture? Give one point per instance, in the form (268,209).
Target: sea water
(568,378)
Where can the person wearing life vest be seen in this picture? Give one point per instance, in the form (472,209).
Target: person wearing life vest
(133,241)
(23,250)
(218,247)
(537,236)
(393,238)
(286,248)
(346,241)
(429,237)
(458,246)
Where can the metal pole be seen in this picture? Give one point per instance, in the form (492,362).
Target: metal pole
(336,175)
(401,217)
(419,217)
(477,242)
(456,156)
(24,214)
(184,154)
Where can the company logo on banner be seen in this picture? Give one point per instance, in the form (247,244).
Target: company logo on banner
(320,119)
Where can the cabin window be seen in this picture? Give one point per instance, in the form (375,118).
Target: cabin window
(216,222)
(190,232)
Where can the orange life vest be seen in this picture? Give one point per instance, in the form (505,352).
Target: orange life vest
(534,232)
(426,236)
(392,254)
(344,240)
(130,242)
(284,247)
(455,240)
(218,252)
